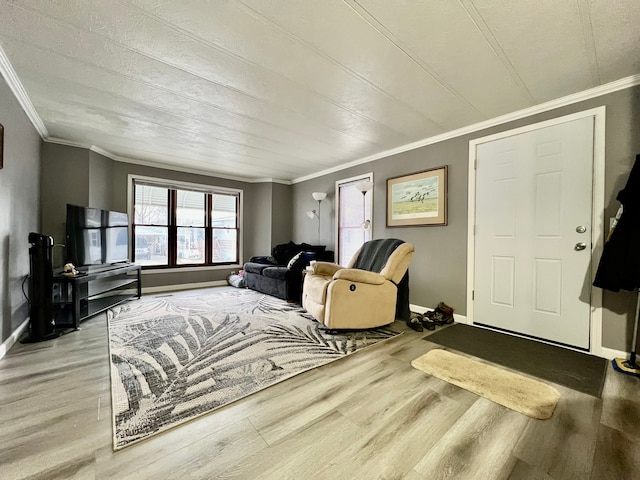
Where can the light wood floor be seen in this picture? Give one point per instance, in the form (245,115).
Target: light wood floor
(367,416)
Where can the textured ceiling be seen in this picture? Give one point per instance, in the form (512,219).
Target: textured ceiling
(286,88)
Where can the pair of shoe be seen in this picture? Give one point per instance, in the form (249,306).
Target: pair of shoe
(420,322)
(441,315)
(415,322)
(427,322)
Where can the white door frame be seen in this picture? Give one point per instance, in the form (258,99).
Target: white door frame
(598,220)
(336,196)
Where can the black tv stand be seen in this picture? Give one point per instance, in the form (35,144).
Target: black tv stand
(94,290)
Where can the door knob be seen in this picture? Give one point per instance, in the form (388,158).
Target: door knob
(580,246)
(581,229)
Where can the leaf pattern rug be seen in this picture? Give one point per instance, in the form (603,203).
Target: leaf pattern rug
(175,357)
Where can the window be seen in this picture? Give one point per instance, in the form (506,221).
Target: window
(184,225)
(354,217)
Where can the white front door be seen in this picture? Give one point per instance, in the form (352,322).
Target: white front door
(532,272)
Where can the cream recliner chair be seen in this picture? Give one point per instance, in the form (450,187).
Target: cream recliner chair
(365,293)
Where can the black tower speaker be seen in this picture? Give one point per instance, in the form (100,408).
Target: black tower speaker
(41,324)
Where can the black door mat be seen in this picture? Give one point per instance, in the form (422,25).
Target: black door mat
(575,370)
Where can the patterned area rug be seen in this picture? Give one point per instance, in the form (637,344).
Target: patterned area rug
(175,357)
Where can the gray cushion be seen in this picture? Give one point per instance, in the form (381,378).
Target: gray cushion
(256,268)
(279,273)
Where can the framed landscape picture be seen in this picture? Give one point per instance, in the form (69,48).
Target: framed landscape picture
(418,199)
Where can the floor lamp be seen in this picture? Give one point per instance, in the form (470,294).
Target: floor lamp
(318,196)
(363,187)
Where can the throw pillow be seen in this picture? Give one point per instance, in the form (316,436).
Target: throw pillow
(317,249)
(301,260)
(278,253)
(284,252)
(309,256)
(297,262)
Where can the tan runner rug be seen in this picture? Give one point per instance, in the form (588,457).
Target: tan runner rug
(548,363)
(522,394)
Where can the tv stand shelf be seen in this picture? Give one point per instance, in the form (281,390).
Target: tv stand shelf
(94,290)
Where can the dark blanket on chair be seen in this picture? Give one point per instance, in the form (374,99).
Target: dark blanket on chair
(373,257)
(374,254)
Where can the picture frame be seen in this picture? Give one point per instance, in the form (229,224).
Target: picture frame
(418,199)
(1,146)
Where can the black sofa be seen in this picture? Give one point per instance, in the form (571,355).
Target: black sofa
(280,274)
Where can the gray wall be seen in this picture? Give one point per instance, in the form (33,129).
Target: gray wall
(100,175)
(305,229)
(269,207)
(257,220)
(65,173)
(438,271)
(19,208)
(90,179)
(281,212)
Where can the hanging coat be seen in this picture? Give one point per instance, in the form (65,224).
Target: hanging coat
(619,267)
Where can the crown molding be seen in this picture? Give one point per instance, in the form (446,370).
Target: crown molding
(595,92)
(10,76)
(281,181)
(65,142)
(103,152)
(175,168)
(153,164)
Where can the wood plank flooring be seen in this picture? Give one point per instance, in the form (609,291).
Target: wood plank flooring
(367,416)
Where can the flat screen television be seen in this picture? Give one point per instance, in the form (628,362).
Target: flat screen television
(96,236)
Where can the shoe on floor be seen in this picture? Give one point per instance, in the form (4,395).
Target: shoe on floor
(414,322)
(440,318)
(444,308)
(442,314)
(427,322)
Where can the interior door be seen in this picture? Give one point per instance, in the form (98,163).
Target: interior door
(353,209)
(533,233)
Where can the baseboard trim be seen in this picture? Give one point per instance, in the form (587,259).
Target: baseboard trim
(420,309)
(610,353)
(174,288)
(13,338)
(183,286)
